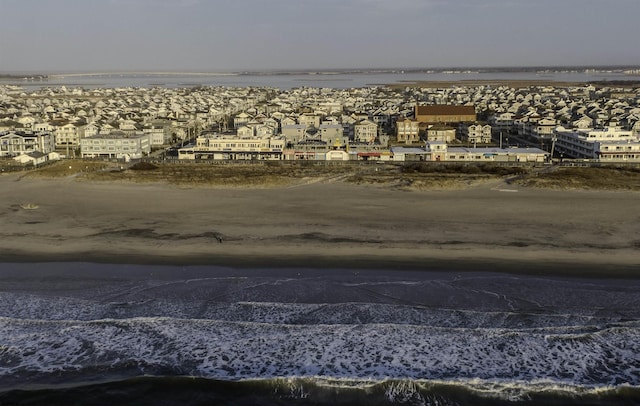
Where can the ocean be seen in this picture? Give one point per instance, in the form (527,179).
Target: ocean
(287,81)
(102,334)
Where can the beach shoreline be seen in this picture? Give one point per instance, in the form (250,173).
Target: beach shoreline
(323,225)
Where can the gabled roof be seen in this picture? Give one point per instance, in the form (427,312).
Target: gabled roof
(445,110)
(36,154)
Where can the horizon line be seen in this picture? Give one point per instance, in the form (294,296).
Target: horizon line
(200,72)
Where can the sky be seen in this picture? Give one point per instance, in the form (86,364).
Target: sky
(247,35)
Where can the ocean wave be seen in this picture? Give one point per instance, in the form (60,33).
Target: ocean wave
(35,349)
(27,306)
(407,338)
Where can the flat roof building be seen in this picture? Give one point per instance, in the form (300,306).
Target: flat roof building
(116,144)
(610,144)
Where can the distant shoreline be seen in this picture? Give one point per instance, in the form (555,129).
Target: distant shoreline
(333,71)
(338,79)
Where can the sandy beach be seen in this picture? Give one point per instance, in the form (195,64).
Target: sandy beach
(490,227)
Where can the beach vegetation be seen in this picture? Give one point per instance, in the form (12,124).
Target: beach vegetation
(407,176)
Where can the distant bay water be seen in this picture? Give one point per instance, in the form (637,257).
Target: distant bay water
(286,81)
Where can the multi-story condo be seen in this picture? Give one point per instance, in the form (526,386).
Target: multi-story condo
(116,144)
(407,131)
(232,147)
(539,130)
(503,121)
(310,120)
(331,133)
(14,143)
(606,144)
(293,132)
(476,133)
(67,135)
(365,131)
(158,134)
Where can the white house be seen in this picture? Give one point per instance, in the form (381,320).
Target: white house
(241,120)
(477,133)
(331,133)
(34,158)
(158,134)
(229,147)
(293,133)
(407,131)
(441,133)
(310,119)
(13,143)
(67,135)
(440,151)
(118,145)
(606,144)
(365,131)
(245,132)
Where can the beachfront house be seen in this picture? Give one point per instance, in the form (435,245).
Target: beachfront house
(34,158)
(117,144)
(14,143)
(605,144)
(212,146)
(67,135)
(440,151)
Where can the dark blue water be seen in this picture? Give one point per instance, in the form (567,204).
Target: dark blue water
(125,334)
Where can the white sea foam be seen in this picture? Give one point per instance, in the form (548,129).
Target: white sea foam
(27,306)
(241,350)
(495,334)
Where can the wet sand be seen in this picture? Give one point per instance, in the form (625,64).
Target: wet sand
(492,227)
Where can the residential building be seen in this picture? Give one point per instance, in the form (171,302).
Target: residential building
(606,144)
(241,120)
(476,133)
(407,131)
(14,143)
(539,130)
(159,134)
(440,151)
(441,133)
(35,158)
(502,121)
(293,133)
(365,131)
(231,147)
(310,120)
(330,133)
(116,144)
